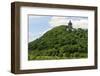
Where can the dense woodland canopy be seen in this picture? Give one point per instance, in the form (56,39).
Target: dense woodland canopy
(59,43)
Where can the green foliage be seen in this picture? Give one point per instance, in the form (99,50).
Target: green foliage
(60,43)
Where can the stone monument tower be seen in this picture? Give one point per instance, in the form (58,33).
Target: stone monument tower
(69,27)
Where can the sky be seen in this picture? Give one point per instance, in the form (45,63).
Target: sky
(40,24)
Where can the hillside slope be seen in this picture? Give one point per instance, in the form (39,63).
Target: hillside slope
(59,43)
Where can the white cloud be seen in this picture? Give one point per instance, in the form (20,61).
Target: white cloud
(78,23)
(56,21)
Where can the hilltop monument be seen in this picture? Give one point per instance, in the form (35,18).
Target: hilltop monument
(69,26)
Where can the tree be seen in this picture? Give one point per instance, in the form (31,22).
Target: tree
(58,43)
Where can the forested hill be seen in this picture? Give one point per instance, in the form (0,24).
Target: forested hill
(58,43)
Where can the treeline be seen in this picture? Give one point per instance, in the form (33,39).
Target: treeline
(60,43)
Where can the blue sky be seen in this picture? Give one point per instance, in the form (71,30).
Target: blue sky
(39,24)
